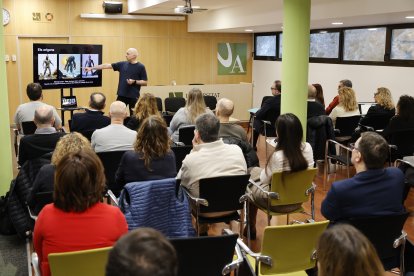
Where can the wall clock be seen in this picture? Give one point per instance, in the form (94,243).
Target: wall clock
(6,17)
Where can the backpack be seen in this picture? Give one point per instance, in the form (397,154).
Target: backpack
(6,226)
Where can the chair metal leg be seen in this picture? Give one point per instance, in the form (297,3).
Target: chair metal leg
(269,217)
(197,223)
(287,218)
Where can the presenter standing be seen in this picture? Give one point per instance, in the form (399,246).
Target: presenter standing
(132,75)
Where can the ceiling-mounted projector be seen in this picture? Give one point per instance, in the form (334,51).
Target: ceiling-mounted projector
(185,9)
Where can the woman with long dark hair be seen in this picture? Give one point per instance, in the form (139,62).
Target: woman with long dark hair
(152,157)
(291,154)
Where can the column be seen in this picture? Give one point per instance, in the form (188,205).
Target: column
(295,59)
(6,169)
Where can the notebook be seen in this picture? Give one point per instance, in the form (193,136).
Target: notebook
(69,102)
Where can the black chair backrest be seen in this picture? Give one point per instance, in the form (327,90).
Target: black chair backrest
(382,231)
(186,134)
(379,121)
(43,198)
(204,256)
(126,120)
(210,101)
(159,104)
(88,134)
(347,125)
(180,153)
(167,118)
(110,161)
(404,140)
(29,127)
(223,192)
(173,104)
(264,99)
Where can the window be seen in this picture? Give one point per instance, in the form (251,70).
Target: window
(265,46)
(324,45)
(365,44)
(402,44)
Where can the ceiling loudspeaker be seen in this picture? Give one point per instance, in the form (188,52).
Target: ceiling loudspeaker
(112,7)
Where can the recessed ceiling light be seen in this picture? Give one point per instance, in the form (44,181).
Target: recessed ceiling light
(372,29)
(410,17)
(337,23)
(323,32)
(248,30)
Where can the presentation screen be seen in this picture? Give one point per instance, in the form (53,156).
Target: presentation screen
(62,65)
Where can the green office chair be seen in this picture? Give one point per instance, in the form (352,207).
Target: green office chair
(288,188)
(79,263)
(287,250)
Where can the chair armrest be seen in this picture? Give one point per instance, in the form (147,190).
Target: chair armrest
(339,145)
(271,195)
(366,128)
(398,161)
(197,200)
(236,263)
(311,190)
(261,258)
(112,197)
(400,241)
(266,122)
(32,216)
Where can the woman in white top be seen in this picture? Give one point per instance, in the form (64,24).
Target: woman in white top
(291,154)
(347,106)
(186,115)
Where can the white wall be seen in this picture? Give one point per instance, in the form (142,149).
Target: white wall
(365,79)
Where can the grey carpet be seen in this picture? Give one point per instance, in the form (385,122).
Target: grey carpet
(13,258)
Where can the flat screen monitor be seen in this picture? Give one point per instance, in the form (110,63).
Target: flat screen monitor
(62,65)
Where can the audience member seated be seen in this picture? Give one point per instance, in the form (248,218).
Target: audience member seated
(144,252)
(43,140)
(93,117)
(347,105)
(152,157)
(373,191)
(224,109)
(319,94)
(187,115)
(77,220)
(269,111)
(335,101)
(116,136)
(404,117)
(379,115)
(291,154)
(25,112)
(234,134)
(343,250)
(45,179)
(210,157)
(146,106)
(315,108)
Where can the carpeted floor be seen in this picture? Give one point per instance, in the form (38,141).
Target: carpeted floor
(13,259)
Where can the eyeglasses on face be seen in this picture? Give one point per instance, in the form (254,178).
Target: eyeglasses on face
(352,146)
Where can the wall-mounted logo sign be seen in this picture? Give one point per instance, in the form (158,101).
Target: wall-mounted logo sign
(232,58)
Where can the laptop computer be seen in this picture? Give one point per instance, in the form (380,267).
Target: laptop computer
(364,106)
(69,102)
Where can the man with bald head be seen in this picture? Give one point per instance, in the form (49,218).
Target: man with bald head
(93,118)
(314,108)
(45,137)
(224,109)
(132,75)
(116,136)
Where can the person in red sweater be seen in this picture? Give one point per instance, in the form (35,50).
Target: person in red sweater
(335,101)
(77,220)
